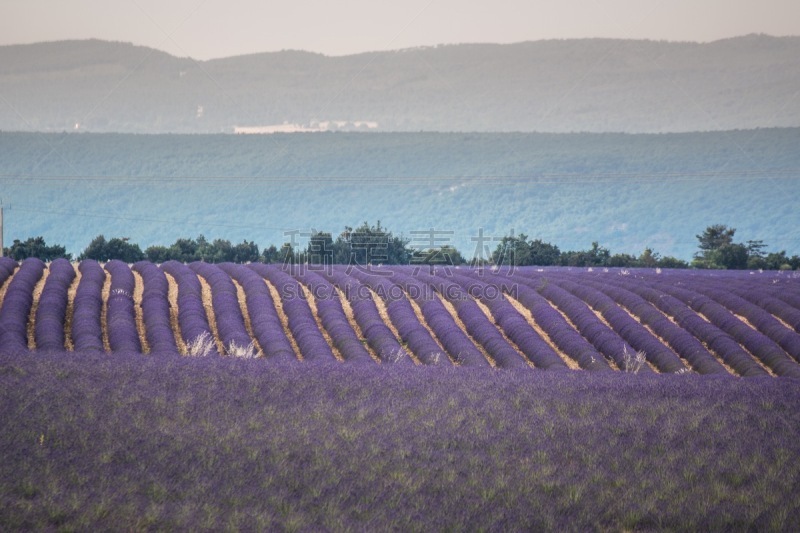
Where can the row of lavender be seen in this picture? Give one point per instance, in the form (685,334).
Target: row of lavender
(711,325)
(749,323)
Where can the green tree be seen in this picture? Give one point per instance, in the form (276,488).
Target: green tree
(730,256)
(368,244)
(184,250)
(245,252)
(35,247)
(320,250)
(446,255)
(672,262)
(519,251)
(648,259)
(543,253)
(270,254)
(712,239)
(157,254)
(117,248)
(288,255)
(596,256)
(622,260)
(512,251)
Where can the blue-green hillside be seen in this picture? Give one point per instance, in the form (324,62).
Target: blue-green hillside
(626,191)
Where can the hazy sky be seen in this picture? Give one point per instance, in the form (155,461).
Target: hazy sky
(205,29)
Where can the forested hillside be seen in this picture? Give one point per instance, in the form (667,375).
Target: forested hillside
(626,191)
(556,85)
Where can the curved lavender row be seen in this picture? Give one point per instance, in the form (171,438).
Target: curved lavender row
(478,325)
(757,343)
(120,310)
(264,319)
(788,299)
(556,327)
(379,337)
(302,324)
(52,311)
(764,322)
(402,315)
(460,347)
(785,290)
(638,337)
(610,343)
(7,267)
(191,313)
(653,307)
(155,308)
(225,301)
(696,328)
(17,306)
(771,304)
(511,321)
(331,314)
(87,329)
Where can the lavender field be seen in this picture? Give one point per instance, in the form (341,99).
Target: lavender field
(309,398)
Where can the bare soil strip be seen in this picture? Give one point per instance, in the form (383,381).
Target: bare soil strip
(73,289)
(104,311)
(665,343)
(248,324)
(312,303)
(421,318)
(384,314)
(568,321)
(779,319)
(757,360)
(348,312)
(172,296)
(138,291)
(486,311)
(5,286)
(276,300)
(526,313)
(708,348)
(208,305)
(37,294)
(452,310)
(612,362)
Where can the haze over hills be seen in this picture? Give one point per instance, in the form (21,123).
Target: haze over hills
(591,85)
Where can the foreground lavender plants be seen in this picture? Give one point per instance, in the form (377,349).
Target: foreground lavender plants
(93,441)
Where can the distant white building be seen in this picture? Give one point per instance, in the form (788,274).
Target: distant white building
(277,128)
(315,126)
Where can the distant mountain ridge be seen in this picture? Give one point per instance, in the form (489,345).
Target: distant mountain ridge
(591,85)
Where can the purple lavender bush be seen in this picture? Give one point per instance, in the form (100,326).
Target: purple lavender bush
(156,309)
(227,312)
(51,313)
(123,335)
(302,324)
(333,318)
(264,319)
(17,305)
(87,329)
(379,337)
(192,316)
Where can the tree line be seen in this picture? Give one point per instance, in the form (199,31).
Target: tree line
(375,244)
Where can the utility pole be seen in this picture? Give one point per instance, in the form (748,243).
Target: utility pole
(1,228)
